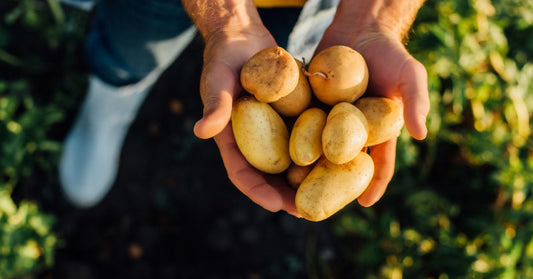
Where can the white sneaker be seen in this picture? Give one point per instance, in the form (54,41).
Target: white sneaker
(91,151)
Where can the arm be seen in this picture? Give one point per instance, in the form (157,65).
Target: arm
(377,28)
(233,32)
(392,18)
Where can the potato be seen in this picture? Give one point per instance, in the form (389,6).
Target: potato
(298,100)
(345,133)
(270,74)
(261,135)
(324,155)
(305,142)
(330,187)
(296,174)
(384,116)
(338,74)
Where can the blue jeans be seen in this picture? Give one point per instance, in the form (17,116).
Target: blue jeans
(131,38)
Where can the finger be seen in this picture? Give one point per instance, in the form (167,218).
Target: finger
(415,98)
(268,191)
(218,91)
(384,156)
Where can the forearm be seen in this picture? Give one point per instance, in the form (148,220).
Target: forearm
(391,17)
(223,16)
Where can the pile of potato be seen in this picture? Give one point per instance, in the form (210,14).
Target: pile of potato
(313,125)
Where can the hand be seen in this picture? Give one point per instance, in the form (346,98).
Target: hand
(395,74)
(224,55)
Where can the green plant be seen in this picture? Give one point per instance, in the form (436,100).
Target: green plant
(37,42)
(26,232)
(460,205)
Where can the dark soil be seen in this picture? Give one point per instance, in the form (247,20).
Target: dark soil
(173,213)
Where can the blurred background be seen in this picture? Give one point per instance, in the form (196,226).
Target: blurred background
(460,204)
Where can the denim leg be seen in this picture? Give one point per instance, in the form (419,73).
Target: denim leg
(131,38)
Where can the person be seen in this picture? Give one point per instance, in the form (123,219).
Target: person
(127,56)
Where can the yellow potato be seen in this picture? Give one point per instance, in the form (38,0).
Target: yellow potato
(298,100)
(305,142)
(330,187)
(261,135)
(345,133)
(384,116)
(338,74)
(270,74)
(296,174)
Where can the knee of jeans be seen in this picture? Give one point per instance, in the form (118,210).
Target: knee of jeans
(126,42)
(104,61)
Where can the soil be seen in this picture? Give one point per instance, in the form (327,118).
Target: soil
(173,213)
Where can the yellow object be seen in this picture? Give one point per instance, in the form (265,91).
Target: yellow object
(279,3)
(330,187)
(344,134)
(305,141)
(384,117)
(261,135)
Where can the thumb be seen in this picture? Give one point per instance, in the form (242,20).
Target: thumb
(218,88)
(415,98)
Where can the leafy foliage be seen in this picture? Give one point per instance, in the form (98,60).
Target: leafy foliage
(460,204)
(37,42)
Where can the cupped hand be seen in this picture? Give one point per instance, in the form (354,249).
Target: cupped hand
(224,55)
(395,74)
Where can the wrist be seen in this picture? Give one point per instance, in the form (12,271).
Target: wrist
(358,21)
(216,18)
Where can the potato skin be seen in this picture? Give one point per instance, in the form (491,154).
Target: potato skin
(345,133)
(305,142)
(296,174)
(384,116)
(298,100)
(270,74)
(338,74)
(330,187)
(261,135)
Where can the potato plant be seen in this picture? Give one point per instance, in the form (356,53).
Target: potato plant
(459,205)
(39,83)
